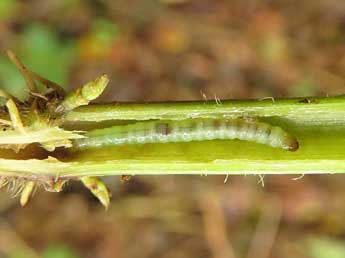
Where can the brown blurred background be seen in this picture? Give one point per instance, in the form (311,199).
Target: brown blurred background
(180,50)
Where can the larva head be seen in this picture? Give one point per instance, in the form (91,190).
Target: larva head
(93,89)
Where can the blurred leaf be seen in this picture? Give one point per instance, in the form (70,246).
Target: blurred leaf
(20,252)
(305,87)
(45,54)
(99,41)
(59,251)
(104,31)
(41,51)
(11,80)
(7,8)
(274,48)
(326,248)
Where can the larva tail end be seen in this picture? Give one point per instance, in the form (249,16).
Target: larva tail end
(292,145)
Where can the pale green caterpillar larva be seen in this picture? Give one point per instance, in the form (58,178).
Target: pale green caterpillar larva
(189,130)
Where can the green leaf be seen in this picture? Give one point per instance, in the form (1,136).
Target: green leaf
(326,248)
(59,251)
(11,80)
(306,87)
(7,8)
(104,31)
(44,53)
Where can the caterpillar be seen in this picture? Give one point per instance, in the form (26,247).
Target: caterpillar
(189,130)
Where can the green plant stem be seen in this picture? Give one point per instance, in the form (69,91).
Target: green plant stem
(318,124)
(320,110)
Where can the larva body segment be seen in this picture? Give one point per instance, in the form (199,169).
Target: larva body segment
(189,130)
